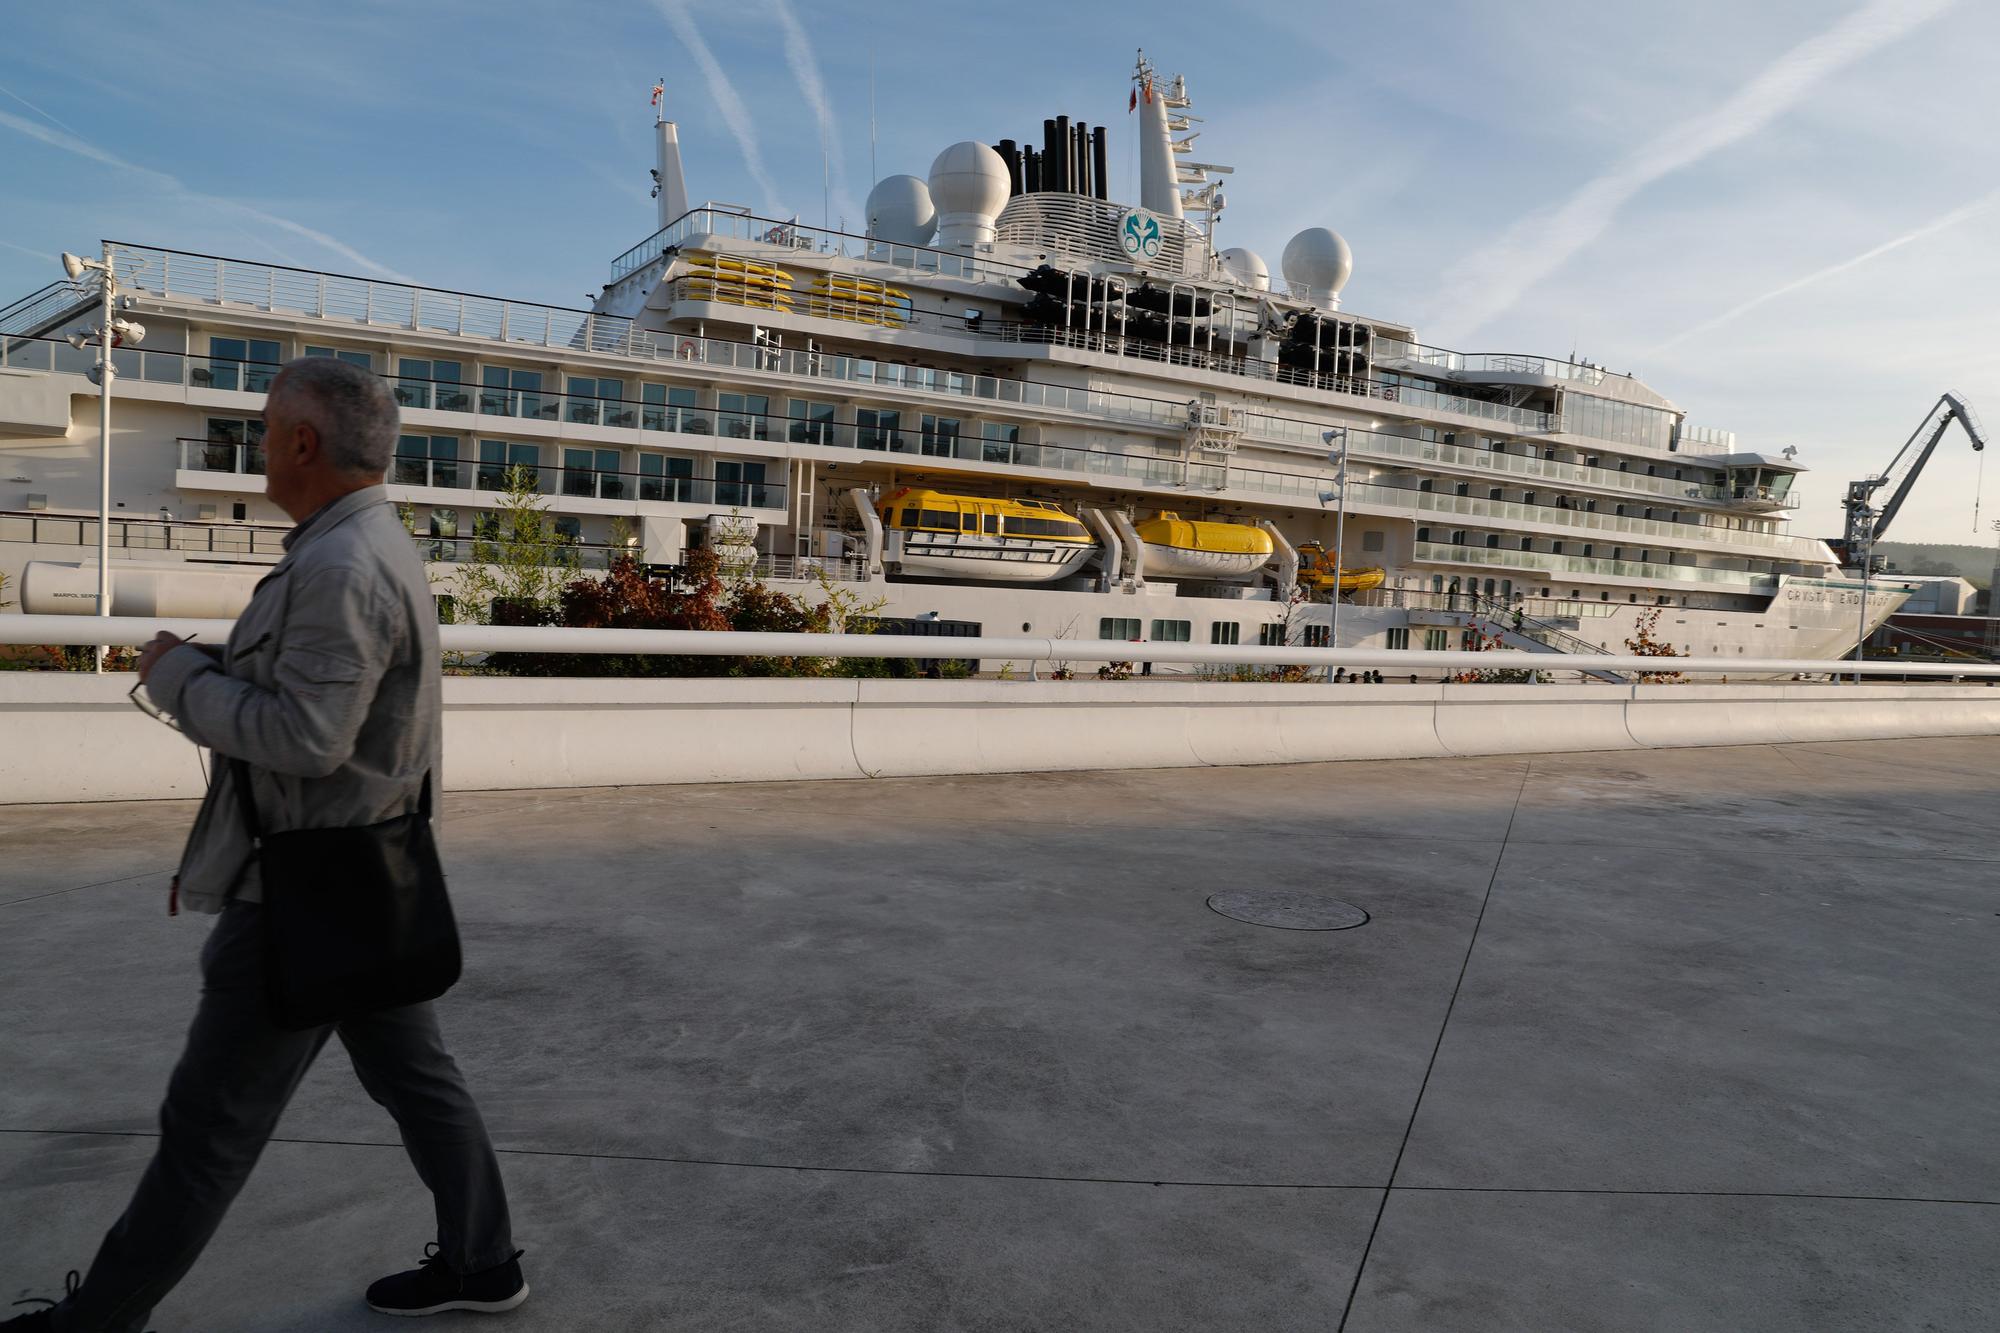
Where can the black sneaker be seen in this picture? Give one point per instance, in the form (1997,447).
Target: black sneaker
(40,1321)
(434,1288)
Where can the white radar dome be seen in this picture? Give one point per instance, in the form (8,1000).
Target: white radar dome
(1247,267)
(969,186)
(900,211)
(1318,262)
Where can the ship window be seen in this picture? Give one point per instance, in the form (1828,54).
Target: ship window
(811,423)
(1425,485)
(1604,597)
(225,356)
(514,393)
(940,435)
(970,522)
(1492,541)
(416,379)
(362,359)
(427,460)
(1437,583)
(1589,549)
(1423,534)
(910,517)
(740,483)
(1372,541)
(1436,640)
(594,401)
(997,441)
(662,477)
(744,416)
(1225,632)
(1496,494)
(1465,488)
(878,428)
(939,518)
(1399,637)
(498,457)
(1172,631)
(671,407)
(1316,635)
(991,524)
(1555,548)
(1118,627)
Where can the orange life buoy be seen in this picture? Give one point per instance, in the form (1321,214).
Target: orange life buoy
(689,349)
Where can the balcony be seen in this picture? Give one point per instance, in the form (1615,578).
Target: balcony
(587,483)
(1584,567)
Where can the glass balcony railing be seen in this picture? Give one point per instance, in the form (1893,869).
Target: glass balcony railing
(1442,553)
(226,456)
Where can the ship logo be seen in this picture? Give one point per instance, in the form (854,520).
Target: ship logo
(1140,235)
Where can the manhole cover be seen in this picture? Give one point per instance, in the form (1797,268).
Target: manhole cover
(1287,910)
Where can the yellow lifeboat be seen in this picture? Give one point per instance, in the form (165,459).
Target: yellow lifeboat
(1203,549)
(933,534)
(1316,572)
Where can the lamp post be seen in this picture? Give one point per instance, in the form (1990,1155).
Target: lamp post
(122,330)
(1338,456)
(1866,550)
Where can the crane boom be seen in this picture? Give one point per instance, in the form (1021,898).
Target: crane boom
(1866,525)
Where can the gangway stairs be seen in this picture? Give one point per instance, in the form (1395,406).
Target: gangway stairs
(48,306)
(1497,620)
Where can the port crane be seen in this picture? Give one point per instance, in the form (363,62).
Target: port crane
(1866,525)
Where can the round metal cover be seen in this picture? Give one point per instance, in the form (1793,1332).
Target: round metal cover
(1287,909)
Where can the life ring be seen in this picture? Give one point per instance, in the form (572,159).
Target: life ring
(688,350)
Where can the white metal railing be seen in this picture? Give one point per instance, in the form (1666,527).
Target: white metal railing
(1443,553)
(712,222)
(1769,544)
(123,631)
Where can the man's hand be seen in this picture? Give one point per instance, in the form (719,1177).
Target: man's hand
(162,644)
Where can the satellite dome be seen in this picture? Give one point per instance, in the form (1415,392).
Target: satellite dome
(900,211)
(969,185)
(1247,267)
(1318,262)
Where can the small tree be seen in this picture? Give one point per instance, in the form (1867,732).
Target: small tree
(1646,643)
(1483,642)
(520,563)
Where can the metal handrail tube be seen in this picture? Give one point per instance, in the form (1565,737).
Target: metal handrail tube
(131,631)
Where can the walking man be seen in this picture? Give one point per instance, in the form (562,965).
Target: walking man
(329,690)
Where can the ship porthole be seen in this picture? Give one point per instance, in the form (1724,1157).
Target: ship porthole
(1025,627)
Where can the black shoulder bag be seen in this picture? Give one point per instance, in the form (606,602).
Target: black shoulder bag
(355,919)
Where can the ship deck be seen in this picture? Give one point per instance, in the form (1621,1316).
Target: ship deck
(1675,1039)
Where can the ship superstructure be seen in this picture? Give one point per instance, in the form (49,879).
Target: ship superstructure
(1131,433)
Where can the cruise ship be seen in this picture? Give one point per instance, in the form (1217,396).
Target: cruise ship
(1011,405)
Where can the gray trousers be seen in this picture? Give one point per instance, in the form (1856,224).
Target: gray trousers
(223,1102)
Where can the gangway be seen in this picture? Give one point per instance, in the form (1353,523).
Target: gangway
(1531,635)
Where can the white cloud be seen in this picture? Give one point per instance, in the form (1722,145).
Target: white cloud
(1487,283)
(728,103)
(71,143)
(1962,213)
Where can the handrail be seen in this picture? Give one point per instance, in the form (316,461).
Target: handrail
(132,631)
(39,305)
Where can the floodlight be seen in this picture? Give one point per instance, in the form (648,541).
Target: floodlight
(79,341)
(73,266)
(129,330)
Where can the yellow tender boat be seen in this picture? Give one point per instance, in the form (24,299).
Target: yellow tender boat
(1203,549)
(1316,571)
(934,534)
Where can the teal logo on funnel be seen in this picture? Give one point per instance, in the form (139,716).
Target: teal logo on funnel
(1140,234)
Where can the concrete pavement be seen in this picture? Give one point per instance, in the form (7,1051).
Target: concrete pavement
(1676,1039)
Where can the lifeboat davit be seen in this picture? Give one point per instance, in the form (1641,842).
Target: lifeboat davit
(1202,549)
(975,538)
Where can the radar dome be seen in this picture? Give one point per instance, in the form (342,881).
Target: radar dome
(1247,267)
(969,185)
(900,211)
(1318,263)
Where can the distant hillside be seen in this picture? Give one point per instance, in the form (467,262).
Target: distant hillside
(1973,563)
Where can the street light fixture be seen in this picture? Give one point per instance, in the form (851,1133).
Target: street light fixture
(1338,455)
(112,329)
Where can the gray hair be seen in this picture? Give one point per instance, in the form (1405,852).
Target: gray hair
(351,408)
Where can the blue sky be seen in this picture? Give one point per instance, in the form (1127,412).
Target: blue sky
(1783,215)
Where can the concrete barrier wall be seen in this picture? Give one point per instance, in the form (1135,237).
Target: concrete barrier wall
(70,737)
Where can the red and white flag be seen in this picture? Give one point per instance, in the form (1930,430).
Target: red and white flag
(1134,103)
(659,89)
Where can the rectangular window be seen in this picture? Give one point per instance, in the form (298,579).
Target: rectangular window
(1373,541)
(1172,631)
(597,402)
(436,384)
(361,359)
(1399,637)
(498,457)
(444,525)
(1436,640)
(810,423)
(1225,632)
(238,363)
(744,416)
(1118,627)
(426,460)
(592,472)
(940,435)
(1271,636)
(672,407)
(664,478)
(506,392)
(876,428)
(1316,635)
(740,483)
(997,440)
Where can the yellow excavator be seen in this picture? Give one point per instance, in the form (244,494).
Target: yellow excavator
(1316,572)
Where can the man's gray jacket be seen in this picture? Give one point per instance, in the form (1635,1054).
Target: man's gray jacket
(329,688)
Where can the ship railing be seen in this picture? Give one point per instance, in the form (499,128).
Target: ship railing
(45,305)
(810,568)
(1445,553)
(702,227)
(1610,525)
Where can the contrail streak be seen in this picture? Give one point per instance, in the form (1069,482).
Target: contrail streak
(1488,283)
(70,143)
(37,110)
(805,69)
(727,102)
(1931,228)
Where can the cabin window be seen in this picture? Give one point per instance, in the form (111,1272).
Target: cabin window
(1399,637)
(940,435)
(970,522)
(226,362)
(664,478)
(744,416)
(1227,632)
(570,529)
(740,483)
(1316,635)
(361,359)
(594,402)
(498,457)
(933,518)
(671,407)
(997,440)
(234,445)
(421,383)
(990,524)
(427,460)
(506,392)
(878,428)
(811,423)
(1172,631)
(592,472)
(1118,627)
(1372,541)
(1492,541)
(1271,636)
(1436,640)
